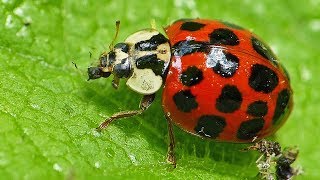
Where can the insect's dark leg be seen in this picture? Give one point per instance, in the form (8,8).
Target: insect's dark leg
(115,82)
(170,155)
(145,102)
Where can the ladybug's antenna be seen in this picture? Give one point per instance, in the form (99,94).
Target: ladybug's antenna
(115,36)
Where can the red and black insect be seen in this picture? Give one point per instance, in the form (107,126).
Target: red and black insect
(220,81)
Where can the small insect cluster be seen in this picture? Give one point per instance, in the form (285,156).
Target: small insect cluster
(220,81)
(275,162)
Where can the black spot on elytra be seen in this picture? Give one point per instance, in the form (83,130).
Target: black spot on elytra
(151,62)
(191,76)
(229,100)
(263,79)
(264,50)
(151,44)
(191,26)
(185,101)
(223,36)
(281,105)
(231,25)
(186,47)
(258,109)
(210,126)
(223,63)
(249,129)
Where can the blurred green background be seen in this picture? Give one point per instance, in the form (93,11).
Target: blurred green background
(48,111)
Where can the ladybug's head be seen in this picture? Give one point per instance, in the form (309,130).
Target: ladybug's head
(143,59)
(115,62)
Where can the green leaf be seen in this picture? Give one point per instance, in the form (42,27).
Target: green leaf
(48,111)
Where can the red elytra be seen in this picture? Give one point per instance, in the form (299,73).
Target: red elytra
(220,81)
(208,90)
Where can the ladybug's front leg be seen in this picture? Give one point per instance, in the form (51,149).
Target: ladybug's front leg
(170,154)
(145,102)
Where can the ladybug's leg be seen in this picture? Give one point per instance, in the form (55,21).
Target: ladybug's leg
(115,82)
(145,102)
(170,155)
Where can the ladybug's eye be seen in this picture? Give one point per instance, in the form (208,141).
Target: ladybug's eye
(111,58)
(107,60)
(103,61)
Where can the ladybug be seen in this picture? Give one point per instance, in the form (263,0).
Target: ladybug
(220,81)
